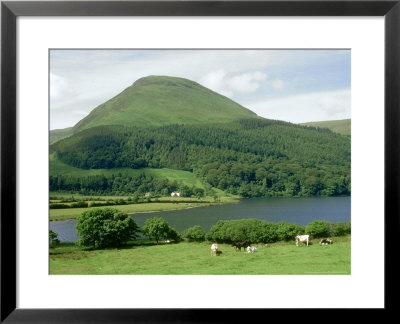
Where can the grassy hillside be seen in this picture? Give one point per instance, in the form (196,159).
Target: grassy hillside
(250,157)
(57,134)
(338,126)
(161,100)
(59,168)
(134,141)
(194,259)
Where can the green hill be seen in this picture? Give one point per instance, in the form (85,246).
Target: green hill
(176,125)
(338,126)
(57,134)
(250,158)
(162,100)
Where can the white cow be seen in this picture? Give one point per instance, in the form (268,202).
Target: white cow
(302,238)
(251,249)
(214,249)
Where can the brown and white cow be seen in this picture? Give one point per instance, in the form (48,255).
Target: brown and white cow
(326,241)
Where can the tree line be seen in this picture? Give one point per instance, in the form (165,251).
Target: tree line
(121,183)
(107,227)
(252,158)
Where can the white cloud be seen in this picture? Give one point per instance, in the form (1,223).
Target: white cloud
(247,82)
(59,87)
(336,104)
(277,84)
(316,106)
(214,80)
(228,86)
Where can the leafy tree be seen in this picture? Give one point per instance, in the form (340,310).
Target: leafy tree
(173,235)
(198,192)
(217,232)
(105,227)
(53,238)
(195,233)
(159,229)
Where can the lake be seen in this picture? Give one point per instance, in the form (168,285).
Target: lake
(292,210)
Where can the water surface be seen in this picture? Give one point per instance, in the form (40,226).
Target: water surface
(292,210)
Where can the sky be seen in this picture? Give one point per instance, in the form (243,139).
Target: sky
(292,85)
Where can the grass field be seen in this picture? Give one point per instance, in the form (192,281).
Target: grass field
(282,258)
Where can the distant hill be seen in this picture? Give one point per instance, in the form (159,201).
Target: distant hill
(57,134)
(169,124)
(338,126)
(163,100)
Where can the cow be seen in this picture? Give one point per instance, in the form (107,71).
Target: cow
(326,241)
(302,238)
(251,249)
(240,245)
(214,249)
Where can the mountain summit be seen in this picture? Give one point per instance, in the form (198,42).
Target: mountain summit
(163,100)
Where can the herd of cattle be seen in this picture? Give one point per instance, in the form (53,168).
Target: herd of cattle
(246,244)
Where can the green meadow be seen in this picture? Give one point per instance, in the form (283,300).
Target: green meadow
(59,168)
(147,258)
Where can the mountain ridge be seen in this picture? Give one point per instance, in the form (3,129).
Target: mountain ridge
(342,126)
(163,100)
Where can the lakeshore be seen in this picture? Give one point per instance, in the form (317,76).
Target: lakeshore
(149,206)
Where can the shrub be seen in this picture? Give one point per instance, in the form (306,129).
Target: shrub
(235,231)
(159,229)
(341,229)
(53,238)
(104,227)
(173,235)
(287,232)
(267,233)
(232,231)
(59,206)
(195,233)
(216,232)
(319,228)
(80,204)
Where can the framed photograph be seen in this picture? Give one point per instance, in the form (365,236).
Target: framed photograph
(279,119)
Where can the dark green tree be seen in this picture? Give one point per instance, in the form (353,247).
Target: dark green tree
(158,229)
(53,238)
(195,233)
(105,227)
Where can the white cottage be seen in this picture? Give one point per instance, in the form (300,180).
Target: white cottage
(175,194)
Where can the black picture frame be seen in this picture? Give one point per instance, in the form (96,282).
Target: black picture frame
(10,10)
